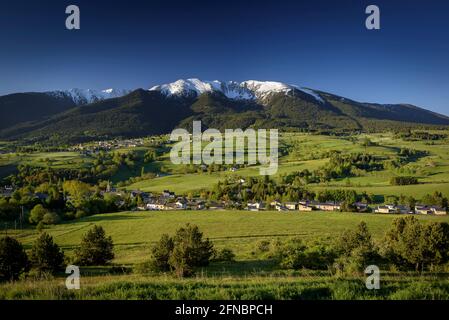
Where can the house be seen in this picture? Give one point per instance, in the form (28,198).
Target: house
(215,206)
(304,206)
(171,206)
(438,210)
(156,205)
(291,205)
(403,209)
(255,206)
(181,203)
(388,208)
(142,207)
(168,194)
(328,206)
(278,206)
(361,207)
(6,191)
(196,204)
(422,209)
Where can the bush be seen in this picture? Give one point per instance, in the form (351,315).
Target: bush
(319,257)
(50,218)
(13,259)
(224,255)
(403,181)
(37,214)
(45,255)
(293,254)
(263,246)
(356,250)
(80,214)
(96,249)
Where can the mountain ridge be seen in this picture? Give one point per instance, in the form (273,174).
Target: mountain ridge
(221,105)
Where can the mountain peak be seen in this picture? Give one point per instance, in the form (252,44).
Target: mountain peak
(85,96)
(246,90)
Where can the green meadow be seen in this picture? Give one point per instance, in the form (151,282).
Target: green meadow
(134,232)
(249,277)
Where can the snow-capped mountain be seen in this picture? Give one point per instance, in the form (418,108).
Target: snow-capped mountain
(246,90)
(85,96)
(264,104)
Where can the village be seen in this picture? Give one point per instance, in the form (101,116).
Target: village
(170,201)
(107,145)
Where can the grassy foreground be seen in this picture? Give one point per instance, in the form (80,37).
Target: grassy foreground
(250,277)
(303,286)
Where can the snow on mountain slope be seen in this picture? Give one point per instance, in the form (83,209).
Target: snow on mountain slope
(85,96)
(246,90)
(313,94)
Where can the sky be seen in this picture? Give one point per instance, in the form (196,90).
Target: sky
(318,44)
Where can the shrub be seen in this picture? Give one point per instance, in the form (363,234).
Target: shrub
(80,214)
(293,254)
(50,218)
(319,257)
(224,255)
(263,246)
(46,255)
(403,181)
(13,259)
(95,249)
(37,214)
(356,250)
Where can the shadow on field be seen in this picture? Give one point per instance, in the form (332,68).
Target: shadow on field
(239,268)
(109,217)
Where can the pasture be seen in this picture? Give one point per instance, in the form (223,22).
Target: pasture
(134,232)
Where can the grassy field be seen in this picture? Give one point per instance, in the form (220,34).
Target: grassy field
(134,232)
(249,277)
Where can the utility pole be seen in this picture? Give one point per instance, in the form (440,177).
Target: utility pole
(21,218)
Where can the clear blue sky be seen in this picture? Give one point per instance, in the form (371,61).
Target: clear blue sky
(319,44)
